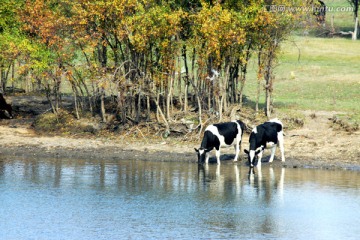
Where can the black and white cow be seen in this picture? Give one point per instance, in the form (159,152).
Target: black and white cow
(221,135)
(266,135)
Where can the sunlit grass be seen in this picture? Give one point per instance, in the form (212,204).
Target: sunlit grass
(343,18)
(316,74)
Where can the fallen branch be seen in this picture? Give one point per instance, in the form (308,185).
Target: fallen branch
(142,135)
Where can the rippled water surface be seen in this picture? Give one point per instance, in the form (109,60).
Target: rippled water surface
(79,199)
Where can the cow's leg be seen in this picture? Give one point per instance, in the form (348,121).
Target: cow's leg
(217,153)
(259,157)
(273,150)
(237,151)
(207,156)
(218,171)
(281,145)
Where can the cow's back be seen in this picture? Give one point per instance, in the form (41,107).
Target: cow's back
(271,130)
(223,134)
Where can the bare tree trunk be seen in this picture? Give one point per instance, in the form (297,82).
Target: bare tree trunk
(243,68)
(186,96)
(102,104)
(167,130)
(224,92)
(76,103)
(157,99)
(258,90)
(221,100)
(168,99)
(354,36)
(199,105)
(13,75)
(148,108)
(268,101)
(121,106)
(260,71)
(57,92)
(184,55)
(242,85)
(2,76)
(200,113)
(27,82)
(179,82)
(48,96)
(138,108)
(268,76)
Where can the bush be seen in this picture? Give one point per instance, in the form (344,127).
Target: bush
(63,123)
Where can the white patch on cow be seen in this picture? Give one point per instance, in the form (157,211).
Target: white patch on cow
(221,138)
(259,148)
(254,130)
(281,145)
(201,151)
(252,156)
(215,131)
(270,144)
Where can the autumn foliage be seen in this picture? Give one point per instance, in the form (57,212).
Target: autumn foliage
(148,54)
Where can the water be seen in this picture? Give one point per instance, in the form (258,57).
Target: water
(79,199)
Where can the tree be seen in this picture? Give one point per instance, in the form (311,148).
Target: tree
(144,52)
(274,28)
(10,38)
(218,36)
(355,5)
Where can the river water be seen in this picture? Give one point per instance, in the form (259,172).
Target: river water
(80,199)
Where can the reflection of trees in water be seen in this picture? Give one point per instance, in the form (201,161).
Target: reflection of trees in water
(130,176)
(214,197)
(224,181)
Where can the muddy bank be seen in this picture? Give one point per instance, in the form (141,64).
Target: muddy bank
(314,145)
(146,154)
(302,149)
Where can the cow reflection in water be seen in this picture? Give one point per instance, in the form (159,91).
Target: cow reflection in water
(233,180)
(220,179)
(269,185)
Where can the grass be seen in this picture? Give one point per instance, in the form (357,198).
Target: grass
(315,74)
(343,18)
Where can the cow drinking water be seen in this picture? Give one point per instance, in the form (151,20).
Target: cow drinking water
(220,135)
(266,135)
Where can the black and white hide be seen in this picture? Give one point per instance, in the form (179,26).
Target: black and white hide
(266,135)
(221,135)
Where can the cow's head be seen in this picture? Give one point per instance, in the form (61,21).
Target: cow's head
(201,153)
(253,156)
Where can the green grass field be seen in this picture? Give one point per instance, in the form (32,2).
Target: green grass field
(315,74)
(341,14)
